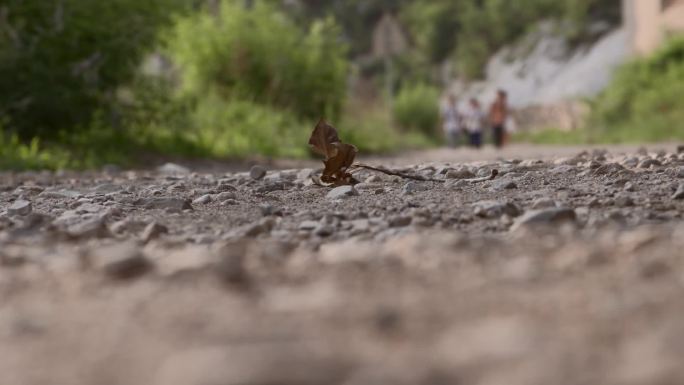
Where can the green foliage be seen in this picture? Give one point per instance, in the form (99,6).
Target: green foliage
(645,101)
(241,128)
(370,128)
(62,60)
(416,108)
(262,56)
(17,155)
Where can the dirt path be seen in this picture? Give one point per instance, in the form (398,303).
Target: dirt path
(565,269)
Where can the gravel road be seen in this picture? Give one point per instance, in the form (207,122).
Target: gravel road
(566,268)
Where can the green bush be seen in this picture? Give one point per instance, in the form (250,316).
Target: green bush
(645,101)
(416,108)
(60,61)
(260,55)
(241,128)
(16,155)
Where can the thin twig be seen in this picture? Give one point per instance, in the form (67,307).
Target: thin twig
(395,173)
(491,176)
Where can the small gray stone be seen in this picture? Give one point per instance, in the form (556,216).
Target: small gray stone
(413,187)
(457,184)
(270,187)
(268,209)
(504,184)
(153,231)
(461,173)
(679,194)
(257,172)
(544,203)
(361,225)
(624,200)
(308,225)
(400,221)
(324,231)
(304,174)
(224,196)
(342,192)
(173,169)
(609,169)
(680,172)
(60,194)
(90,228)
(495,209)
(203,200)
(545,217)
(173,204)
(121,261)
(631,162)
(255,229)
(373,179)
(20,208)
(648,163)
(90,208)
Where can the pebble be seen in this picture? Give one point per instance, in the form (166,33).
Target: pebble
(413,187)
(203,200)
(90,228)
(544,203)
(545,217)
(503,184)
(257,172)
(648,163)
(121,261)
(270,187)
(624,201)
(91,208)
(308,225)
(461,173)
(172,204)
(305,174)
(495,209)
(342,192)
(153,231)
(60,194)
(20,208)
(324,231)
(268,209)
(679,194)
(609,169)
(400,221)
(255,229)
(226,195)
(457,184)
(173,169)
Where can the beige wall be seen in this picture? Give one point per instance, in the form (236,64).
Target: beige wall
(674,17)
(647,22)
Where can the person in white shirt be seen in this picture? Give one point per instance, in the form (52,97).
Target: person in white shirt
(452,121)
(474,121)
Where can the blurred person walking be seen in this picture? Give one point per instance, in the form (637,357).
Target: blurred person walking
(498,114)
(474,120)
(452,121)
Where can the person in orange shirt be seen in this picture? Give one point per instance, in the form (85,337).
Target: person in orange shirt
(498,114)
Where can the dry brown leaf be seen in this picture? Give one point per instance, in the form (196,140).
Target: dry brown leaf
(323,139)
(338,156)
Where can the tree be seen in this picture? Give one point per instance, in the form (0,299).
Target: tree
(62,60)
